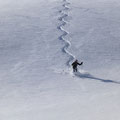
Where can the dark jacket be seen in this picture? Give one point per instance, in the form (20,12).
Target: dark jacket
(74,64)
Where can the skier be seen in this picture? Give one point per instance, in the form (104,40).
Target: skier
(74,65)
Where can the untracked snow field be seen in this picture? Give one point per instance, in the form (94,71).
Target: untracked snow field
(39,39)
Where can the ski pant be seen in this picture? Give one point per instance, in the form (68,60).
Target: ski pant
(75,69)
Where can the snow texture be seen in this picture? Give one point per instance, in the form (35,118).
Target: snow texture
(39,39)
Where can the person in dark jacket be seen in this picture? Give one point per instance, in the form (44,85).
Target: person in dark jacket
(75,64)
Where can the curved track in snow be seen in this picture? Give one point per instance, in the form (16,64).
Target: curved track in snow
(64,14)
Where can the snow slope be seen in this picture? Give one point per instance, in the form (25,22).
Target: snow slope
(38,41)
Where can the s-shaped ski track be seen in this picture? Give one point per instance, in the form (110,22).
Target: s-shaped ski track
(64,14)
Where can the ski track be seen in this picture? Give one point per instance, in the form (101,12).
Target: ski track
(64,15)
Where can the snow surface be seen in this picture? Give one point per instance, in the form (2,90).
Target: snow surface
(38,41)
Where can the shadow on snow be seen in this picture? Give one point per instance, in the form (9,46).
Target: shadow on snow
(87,75)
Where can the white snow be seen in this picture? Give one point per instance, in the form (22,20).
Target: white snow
(36,82)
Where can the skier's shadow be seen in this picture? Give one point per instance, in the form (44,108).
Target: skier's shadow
(87,75)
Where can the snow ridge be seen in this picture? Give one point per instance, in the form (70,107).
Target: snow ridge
(65,32)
